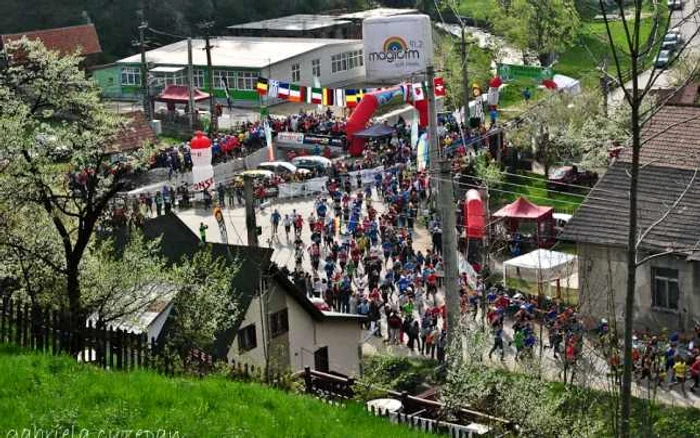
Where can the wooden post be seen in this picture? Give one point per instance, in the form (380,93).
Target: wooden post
(307,380)
(18,324)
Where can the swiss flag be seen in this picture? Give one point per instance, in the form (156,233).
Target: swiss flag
(439,87)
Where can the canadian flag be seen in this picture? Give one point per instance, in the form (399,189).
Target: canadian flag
(439,87)
(417,92)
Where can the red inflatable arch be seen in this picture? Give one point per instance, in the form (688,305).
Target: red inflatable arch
(474,217)
(369,104)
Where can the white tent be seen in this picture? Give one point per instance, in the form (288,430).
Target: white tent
(541,265)
(567,84)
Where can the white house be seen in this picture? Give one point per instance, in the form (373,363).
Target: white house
(284,325)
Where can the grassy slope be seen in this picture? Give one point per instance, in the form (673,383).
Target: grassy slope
(477,9)
(534,188)
(46,392)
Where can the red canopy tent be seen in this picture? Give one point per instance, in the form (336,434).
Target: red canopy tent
(522,209)
(180,94)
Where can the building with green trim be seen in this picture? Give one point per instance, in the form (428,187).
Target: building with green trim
(238,61)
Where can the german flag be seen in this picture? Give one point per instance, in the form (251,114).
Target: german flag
(261,86)
(328,96)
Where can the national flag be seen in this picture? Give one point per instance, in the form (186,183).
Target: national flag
(304,94)
(273,88)
(283,90)
(316,95)
(294,93)
(328,95)
(417,92)
(261,86)
(340,97)
(439,87)
(351,97)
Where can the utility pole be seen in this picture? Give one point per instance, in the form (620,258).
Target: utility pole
(465,77)
(190,83)
(250,221)
(605,84)
(144,72)
(206,26)
(446,208)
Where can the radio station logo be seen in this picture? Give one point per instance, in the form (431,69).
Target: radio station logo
(395,48)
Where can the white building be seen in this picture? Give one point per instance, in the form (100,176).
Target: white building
(239,61)
(295,334)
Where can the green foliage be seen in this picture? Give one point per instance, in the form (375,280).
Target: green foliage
(397,373)
(487,169)
(48,392)
(544,26)
(204,305)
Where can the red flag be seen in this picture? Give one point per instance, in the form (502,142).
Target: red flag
(439,87)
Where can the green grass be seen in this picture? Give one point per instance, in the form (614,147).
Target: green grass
(580,61)
(533,186)
(477,9)
(44,392)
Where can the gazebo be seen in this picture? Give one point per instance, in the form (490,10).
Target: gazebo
(180,94)
(523,210)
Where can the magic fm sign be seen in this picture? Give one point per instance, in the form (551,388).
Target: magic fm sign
(397,46)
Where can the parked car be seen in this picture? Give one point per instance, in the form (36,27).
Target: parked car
(662,59)
(560,221)
(278,167)
(669,44)
(675,4)
(564,177)
(318,165)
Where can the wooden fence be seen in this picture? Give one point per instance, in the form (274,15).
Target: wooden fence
(416,412)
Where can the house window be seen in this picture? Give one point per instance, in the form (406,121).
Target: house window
(245,80)
(237,80)
(665,291)
(279,323)
(131,76)
(316,68)
(246,338)
(296,72)
(346,61)
(198,78)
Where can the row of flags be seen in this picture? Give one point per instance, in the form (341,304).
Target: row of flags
(341,97)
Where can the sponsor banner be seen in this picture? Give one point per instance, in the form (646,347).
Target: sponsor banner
(324,140)
(219,216)
(290,137)
(510,72)
(397,46)
(305,188)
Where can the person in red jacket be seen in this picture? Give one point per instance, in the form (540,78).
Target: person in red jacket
(695,374)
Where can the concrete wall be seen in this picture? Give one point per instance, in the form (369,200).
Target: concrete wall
(602,285)
(342,336)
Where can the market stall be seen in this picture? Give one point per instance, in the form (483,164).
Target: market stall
(521,210)
(551,273)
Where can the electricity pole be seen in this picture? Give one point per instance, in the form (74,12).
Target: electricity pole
(206,26)
(250,222)
(190,83)
(446,209)
(465,77)
(144,72)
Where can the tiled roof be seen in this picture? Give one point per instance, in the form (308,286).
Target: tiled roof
(64,39)
(133,136)
(603,218)
(671,138)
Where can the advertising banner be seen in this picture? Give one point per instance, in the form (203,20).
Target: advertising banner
(396,46)
(510,72)
(290,137)
(323,140)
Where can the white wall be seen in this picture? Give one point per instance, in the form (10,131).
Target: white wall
(283,71)
(603,279)
(342,336)
(256,356)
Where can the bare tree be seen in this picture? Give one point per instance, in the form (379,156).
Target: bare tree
(638,49)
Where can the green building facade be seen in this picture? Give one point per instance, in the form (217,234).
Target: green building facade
(123,80)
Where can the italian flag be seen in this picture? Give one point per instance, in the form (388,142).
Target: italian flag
(316,95)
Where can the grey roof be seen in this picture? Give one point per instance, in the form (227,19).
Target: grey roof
(378,12)
(298,22)
(603,217)
(242,52)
